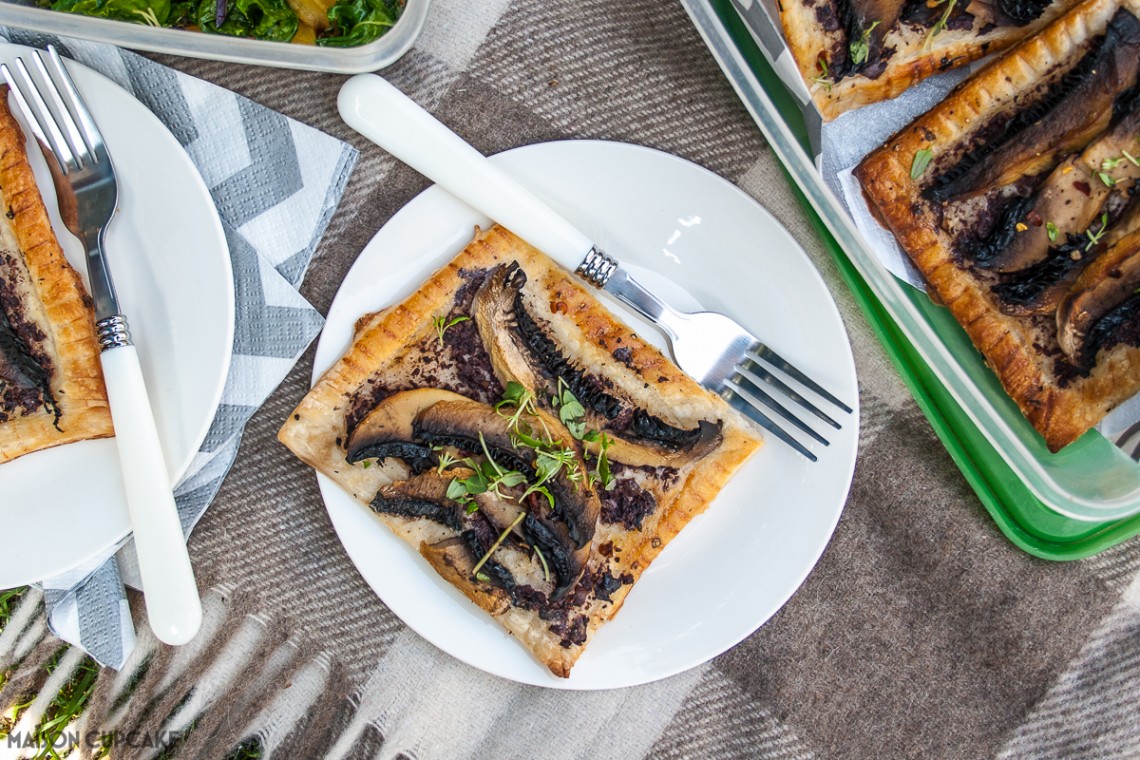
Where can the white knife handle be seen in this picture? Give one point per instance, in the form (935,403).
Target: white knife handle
(172,602)
(387,117)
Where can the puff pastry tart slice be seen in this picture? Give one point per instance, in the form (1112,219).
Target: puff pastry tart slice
(855,52)
(1017,199)
(532,449)
(51,384)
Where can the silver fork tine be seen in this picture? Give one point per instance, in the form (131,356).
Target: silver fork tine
(756,373)
(65,117)
(762,352)
(744,401)
(742,379)
(39,115)
(80,119)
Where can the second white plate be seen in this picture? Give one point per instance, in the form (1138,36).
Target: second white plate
(171,264)
(731,568)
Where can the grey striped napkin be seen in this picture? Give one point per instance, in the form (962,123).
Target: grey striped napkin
(276,183)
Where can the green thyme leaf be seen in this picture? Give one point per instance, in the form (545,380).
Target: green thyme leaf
(1107,180)
(570,411)
(456,490)
(860,49)
(920,162)
(824,77)
(1052,231)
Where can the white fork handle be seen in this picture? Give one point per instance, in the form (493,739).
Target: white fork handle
(172,602)
(389,118)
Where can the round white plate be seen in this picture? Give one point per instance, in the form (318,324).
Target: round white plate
(171,264)
(732,567)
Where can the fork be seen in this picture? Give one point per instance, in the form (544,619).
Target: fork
(87,193)
(712,348)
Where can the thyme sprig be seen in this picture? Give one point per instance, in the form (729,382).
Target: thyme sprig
(943,21)
(489,476)
(551,458)
(824,76)
(860,49)
(502,537)
(1094,237)
(442,324)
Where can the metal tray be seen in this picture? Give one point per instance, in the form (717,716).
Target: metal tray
(1059,506)
(375,55)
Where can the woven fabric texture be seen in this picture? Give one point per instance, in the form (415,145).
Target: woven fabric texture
(922,632)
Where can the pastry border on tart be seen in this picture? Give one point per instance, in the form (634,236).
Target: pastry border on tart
(613,548)
(49,313)
(1017,347)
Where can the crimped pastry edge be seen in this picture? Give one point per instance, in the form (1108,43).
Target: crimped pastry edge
(1060,415)
(312,429)
(77,378)
(913,61)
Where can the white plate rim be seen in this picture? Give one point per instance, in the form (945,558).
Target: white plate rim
(346,514)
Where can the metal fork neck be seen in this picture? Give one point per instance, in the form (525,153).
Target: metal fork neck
(102,287)
(629,291)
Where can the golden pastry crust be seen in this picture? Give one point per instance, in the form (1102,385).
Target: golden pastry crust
(1060,409)
(319,426)
(45,296)
(917,55)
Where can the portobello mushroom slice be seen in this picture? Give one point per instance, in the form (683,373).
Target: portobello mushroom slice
(1108,73)
(479,429)
(1008,12)
(1074,194)
(387,430)
(423,496)
(563,530)
(1108,283)
(523,350)
(867,23)
(452,559)
(1037,288)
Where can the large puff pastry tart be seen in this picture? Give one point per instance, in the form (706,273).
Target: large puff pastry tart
(1017,199)
(851,53)
(51,384)
(535,451)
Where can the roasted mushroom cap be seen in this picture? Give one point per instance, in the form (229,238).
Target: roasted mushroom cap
(1107,283)
(422,496)
(867,23)
(1091,90)
(523,351)
(452,559)
(1008,12)
(25,385)
(387,430)
(1073,196)
(465,540)
(479,429)
(563,531)
(1021,12)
